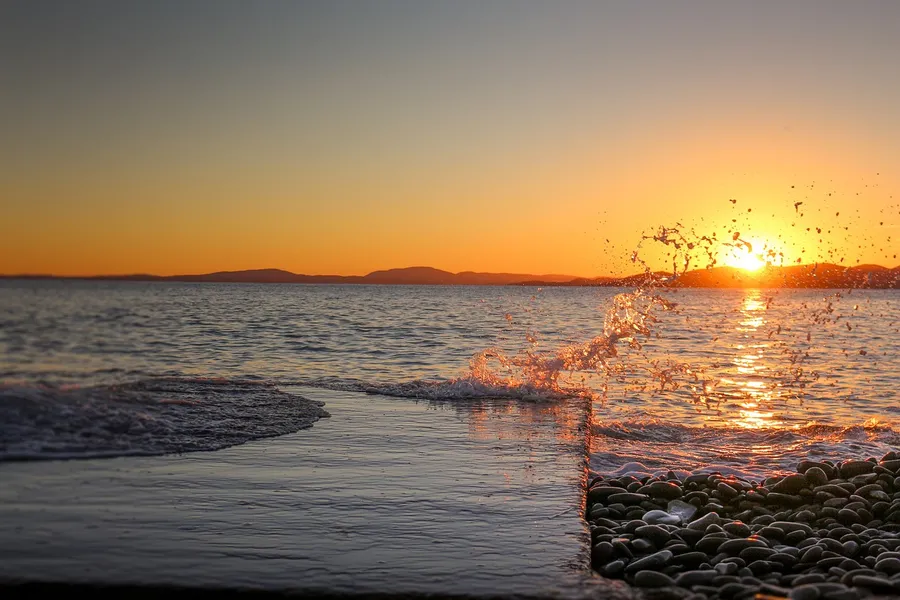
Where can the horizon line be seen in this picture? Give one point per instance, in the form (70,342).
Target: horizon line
(767,267)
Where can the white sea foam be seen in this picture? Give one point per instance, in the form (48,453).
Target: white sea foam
(749,453)
(147,417)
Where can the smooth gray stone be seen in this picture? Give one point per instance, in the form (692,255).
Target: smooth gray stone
(602,552)
(727,568)
(811,554)
(806,465)
(760,567)
(655,561)
(738,529)
(697,577)
(756,553)
(726,491)
(621,547)
(849,548)
(805,516)
(690,559)
(628,498)
(848,517)
(852,468)
(783,499)
(890,566)
(696,478)
(654,533)
(614,569)
(878,584)
(879,495)
(773,590)
(865,490)
(660,517)
(735,590)
(832,489)
(736,546)
(652,579)
(816,476)
(641,545)
(808,578)
(805,592)
(703,522)
(763,520)
(600,493)
(792,484)
(665,490)
(783,558)
(847,594)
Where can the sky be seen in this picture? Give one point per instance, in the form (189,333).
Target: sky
(518,136)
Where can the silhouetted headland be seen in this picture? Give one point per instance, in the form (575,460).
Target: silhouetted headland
(821,275)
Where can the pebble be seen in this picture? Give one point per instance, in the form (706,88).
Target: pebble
(660,517)
(690,559)
(852,468)
(652,579)
(737,528)
(726,491)
(697,577)
(628,498)
(737,545)
(703,522)
(878,584)
(816,476)
(891,566)
(792,484)
(654,561)
(602,552)
(805,592)
(665,489)
(654,533)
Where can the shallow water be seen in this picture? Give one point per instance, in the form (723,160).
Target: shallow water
(389,496)
(747,380)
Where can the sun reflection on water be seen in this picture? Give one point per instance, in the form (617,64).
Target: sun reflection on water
(747,385)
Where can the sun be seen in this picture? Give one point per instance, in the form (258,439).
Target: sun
(745,255)
(745,260)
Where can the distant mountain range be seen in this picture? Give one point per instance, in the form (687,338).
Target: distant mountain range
(800,276)
(407,276)
(821,275)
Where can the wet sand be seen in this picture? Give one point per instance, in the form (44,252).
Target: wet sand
(387,496)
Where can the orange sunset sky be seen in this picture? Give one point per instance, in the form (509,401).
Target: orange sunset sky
(343,137)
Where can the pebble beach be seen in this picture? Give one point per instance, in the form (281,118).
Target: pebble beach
(831,530)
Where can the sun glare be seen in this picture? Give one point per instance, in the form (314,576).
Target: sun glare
(745,260)
(745,255)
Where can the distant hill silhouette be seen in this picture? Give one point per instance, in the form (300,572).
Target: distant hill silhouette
(404,276)
(822,275)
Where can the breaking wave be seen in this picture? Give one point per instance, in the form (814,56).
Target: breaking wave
(145,418)
(462,388)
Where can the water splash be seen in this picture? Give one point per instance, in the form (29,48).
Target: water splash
(769,358)
(566,371)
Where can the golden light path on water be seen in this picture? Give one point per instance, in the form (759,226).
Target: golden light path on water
(756,396)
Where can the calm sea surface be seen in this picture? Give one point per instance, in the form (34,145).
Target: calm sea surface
(746,380)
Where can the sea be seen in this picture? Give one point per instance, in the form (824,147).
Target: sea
(745,381)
